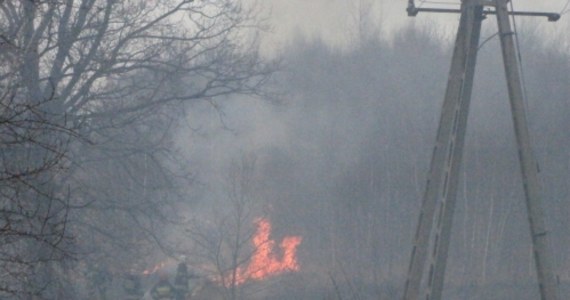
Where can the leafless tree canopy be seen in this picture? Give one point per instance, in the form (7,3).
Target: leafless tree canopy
(224,244)
(91,91)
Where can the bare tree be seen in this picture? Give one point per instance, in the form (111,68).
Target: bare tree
(225,244)
(362,26)
(117,73)
(33,152)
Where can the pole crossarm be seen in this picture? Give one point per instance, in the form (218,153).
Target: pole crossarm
(413,11)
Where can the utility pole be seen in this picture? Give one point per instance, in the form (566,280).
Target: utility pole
(439,198)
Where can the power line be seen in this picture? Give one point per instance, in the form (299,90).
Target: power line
(523,76)
(565,8)
(487,40)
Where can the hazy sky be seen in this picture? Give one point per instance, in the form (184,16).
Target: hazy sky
(334,20)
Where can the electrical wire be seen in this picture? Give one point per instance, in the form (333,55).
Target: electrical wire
(565,9)
(523,81)
(487,40)
(421,2)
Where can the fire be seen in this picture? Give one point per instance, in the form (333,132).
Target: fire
(265,262)
(156,268)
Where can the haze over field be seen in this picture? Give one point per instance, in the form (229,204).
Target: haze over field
(288,167)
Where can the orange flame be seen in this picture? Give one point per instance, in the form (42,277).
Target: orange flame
(265,262)
(156,268)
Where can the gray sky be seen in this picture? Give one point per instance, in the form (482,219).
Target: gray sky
(334,20)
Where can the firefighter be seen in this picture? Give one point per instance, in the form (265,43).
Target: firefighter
(132,287)
(163,290)
(181,282)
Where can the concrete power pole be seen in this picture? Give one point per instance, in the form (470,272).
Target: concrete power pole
(439,198)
